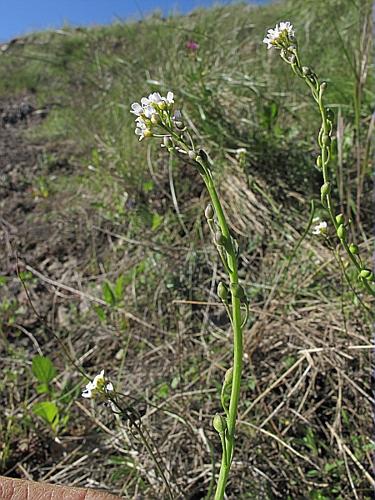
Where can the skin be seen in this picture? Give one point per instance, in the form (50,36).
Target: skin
(21,489)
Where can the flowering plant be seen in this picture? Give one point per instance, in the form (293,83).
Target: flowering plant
(283,38)
(156,118)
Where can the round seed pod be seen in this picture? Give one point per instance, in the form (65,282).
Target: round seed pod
(366,274)
(354,249)
(341,232)
(209,212)
(219,423)
(222,291)
(340,219)
(325,189)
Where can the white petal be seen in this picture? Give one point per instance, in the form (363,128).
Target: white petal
(109,387)
(136,109)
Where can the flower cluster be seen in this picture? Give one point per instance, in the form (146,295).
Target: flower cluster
(320,226)
(99,386)
(281,37)
(150,112)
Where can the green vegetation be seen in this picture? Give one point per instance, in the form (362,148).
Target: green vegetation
(121,274)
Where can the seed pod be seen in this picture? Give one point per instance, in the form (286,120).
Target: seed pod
(219,423)
(220,238)
(319,161)
(354,250)
(341,232)
(306,70)
(330,114)
(366,274)
(340,219)
(325,189)
(222,291)
(209,212)
(326,140)
(237,291)
(228,376)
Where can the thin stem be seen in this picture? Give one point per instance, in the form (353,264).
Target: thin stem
(229,436)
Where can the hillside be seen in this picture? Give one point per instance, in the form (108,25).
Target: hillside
(106,261)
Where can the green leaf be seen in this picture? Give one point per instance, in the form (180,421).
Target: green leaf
(100,313)
(163,391)
(42,388)
(108,294)
(156,221)
(43,369)
(119,287)
(48,411)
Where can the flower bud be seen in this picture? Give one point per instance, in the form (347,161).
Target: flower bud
(155,119)
(219,423)
(220,238)
(148,133)
(340,219)
(192,154)
(319,161)
(209,212)
(354,250)
(323,86)
(341,232)
(366,274)
(162,105)
(222,291)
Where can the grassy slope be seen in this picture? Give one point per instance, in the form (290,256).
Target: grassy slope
(234,94)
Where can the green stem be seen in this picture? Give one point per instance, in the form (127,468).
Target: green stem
(317,92)
(229,437)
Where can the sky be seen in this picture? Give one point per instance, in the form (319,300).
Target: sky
(19,17)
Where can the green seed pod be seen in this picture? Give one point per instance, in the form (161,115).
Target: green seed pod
(325,189)
(228,376)
(330,114)
(326,140)
(209,212)
(319,162)
(222,291)
(341,232)
(167,141)
(366,274)
(219,423)
(237,291)
(354,249)
(192,154)
(220,238)
(340,219)
(306,71)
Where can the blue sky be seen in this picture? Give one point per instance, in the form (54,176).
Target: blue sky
(18,17)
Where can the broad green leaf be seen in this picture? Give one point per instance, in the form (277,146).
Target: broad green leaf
(48,411)
(157,219)
(100,312)
(43,369)
(108,294)
(42,388)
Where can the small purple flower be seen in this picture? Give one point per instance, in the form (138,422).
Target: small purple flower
(192,46)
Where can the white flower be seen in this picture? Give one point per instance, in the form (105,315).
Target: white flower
(140,127)
(169,99)
(136,109)
(280,36)
(155,98)
(96,385)
(320,227)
